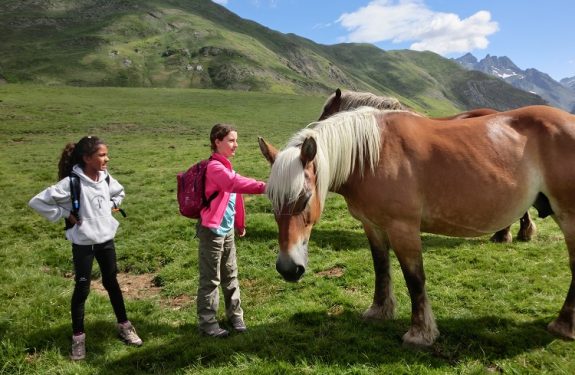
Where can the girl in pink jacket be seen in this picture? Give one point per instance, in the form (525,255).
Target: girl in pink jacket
(215,230)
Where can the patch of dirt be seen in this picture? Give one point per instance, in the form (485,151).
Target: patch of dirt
(133,286)
(32,358)
(138,287)
(332,272)
(335,310)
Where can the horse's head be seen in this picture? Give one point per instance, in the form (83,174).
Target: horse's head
(350,100)
(293,192)
(331,106)
(318,159)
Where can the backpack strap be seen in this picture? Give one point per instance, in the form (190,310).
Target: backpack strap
(75,190)
(208,200)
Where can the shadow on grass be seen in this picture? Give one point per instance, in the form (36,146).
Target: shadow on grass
(335,239)
(342,239)
(431,241)
(260,233)
(353,240)
(311,338)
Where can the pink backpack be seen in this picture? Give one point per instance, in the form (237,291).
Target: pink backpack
(191,190)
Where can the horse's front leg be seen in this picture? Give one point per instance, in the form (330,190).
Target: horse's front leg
(564,325)
(383,306)
(406,243)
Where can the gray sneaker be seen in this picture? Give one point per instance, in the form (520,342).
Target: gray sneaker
(128,334)
(78,347)
(239,326)
(218,332)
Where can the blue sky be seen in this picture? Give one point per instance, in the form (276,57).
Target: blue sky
(533,34)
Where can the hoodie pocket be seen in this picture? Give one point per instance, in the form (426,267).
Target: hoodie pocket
(93,230)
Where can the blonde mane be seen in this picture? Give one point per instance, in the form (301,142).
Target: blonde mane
(344,141)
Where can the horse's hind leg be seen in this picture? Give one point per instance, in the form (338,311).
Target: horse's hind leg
(406,243)
(564,325)
(383,306)
(527,228)
(502,236)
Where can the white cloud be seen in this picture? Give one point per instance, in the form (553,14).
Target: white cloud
(221,2)
(260,3)
(400,21)
(321,26)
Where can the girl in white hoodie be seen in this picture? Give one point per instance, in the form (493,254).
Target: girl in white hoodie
(91,230)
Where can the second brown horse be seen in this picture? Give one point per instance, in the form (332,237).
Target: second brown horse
(348,100)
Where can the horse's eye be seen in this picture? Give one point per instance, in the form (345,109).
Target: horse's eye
(306,199)
(302,202)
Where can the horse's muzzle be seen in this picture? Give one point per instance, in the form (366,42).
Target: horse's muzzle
(291,265)
(291,274)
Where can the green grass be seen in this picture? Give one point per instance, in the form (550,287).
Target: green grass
(492,302)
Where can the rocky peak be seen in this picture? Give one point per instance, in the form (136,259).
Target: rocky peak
(468,60)
(561,95)
(568,82)
(501,67)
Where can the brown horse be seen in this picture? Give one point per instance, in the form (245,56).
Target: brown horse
(401,174)
(347,100)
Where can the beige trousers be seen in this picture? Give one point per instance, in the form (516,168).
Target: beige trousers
(218,266)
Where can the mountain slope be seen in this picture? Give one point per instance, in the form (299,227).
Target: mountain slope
(197,43)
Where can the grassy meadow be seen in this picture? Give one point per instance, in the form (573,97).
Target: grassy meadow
(492,302)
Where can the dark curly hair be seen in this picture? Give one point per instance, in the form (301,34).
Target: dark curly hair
(74,153)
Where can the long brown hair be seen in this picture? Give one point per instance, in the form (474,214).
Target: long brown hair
(73,153)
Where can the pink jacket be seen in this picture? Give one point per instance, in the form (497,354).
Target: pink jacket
(222,178)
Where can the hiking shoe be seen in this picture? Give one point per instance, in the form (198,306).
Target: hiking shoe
(218,333)
(78,347)
(128,334)
(239,326)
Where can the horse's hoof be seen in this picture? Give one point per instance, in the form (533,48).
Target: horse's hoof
(561,329)
(376,312)
(500,237)
(527,234)
(420,341)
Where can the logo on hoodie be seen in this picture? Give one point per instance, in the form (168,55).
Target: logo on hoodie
(99,203)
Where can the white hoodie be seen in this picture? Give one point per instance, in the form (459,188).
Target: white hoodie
(97,199)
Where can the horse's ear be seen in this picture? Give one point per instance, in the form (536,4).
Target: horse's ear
(268,151)
(308,150)
(336,102)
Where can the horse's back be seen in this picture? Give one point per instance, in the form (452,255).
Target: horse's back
(538,120)
(494,166)
(533,133)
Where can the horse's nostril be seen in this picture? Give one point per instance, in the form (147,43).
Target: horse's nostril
(299,271)
(292,274)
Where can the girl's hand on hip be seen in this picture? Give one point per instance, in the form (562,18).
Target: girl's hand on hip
(74,220)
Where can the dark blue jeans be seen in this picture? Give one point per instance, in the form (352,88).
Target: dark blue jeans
(105,254)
